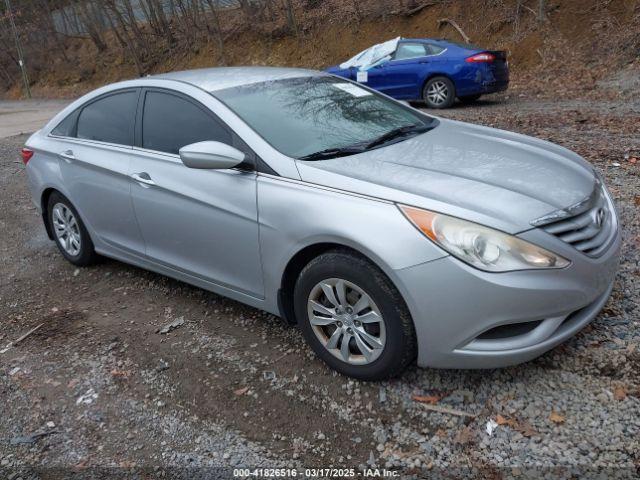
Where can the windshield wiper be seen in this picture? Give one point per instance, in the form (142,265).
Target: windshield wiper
(333,153)
(414,129)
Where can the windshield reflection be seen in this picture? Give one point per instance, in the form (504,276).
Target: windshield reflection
(306,115)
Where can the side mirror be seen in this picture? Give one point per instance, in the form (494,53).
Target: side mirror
(211,155)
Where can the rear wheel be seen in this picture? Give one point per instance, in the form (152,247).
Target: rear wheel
(69,232)
(439,92)
(470,98)
(353,317)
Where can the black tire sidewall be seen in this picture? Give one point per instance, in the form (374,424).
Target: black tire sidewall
(87,253)
(451,97)
(399,348)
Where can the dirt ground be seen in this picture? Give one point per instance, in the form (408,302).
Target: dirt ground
(234,386)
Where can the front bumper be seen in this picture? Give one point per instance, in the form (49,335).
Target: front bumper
(454,306)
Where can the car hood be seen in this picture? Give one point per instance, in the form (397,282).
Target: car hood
(497,178)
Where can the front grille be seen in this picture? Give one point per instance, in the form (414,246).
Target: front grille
(589,230)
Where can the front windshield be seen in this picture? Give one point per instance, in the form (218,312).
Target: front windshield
(303,116)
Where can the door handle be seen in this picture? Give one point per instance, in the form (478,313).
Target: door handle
(67,155)
(143,177)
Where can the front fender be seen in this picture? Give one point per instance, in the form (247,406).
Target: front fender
(294,215)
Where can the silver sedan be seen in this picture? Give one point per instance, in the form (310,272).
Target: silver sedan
(387,235)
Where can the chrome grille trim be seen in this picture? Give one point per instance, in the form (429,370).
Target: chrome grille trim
(572,211)
(591,228)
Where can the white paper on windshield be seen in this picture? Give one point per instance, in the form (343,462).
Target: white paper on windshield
(362,76)
(352,89)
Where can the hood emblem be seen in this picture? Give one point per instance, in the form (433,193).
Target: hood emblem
(599,217)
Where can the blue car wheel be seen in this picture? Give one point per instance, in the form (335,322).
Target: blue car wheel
(439,92)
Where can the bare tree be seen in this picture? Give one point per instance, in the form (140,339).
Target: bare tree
(291,17)
(542,8)
(217,30)
(88,14)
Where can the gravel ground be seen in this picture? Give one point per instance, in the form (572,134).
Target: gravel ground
(234,386)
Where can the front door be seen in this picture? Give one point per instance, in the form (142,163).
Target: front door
(200,222)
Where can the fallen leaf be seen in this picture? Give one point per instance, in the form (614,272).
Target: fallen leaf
(500,420)
(620,393)
(429,399)
(637,200)
(525,429)
(120,373)
(465,436)
(241,391)
(555,417)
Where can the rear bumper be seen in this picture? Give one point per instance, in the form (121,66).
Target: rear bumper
(454,306)
(482,88)
(494,87)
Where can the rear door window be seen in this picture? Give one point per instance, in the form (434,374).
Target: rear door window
(170,122)
(435,49)
(410,50)
(109,119)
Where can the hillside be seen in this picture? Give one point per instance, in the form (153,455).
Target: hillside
(580,47)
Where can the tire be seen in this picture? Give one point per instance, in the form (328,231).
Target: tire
(439,92)
(470,98)
(69,232)
(385,321)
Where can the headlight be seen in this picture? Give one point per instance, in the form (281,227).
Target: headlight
(481,247)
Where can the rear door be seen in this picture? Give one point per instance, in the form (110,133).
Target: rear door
(200,222)
(94,149)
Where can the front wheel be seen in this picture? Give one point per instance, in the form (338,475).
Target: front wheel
(353,317)
(439,92)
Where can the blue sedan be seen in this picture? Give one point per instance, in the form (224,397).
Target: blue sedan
(433,71)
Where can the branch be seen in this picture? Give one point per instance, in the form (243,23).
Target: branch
(442,21)
(413,10)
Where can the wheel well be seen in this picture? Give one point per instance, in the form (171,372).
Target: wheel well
(44,208)
(295,266)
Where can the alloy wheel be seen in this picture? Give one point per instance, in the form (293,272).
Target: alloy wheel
(437,93)
(346,321)
(66,229)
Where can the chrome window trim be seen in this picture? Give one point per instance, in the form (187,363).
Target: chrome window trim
(84,141)
(421,56)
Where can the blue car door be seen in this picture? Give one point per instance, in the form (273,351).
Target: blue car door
(403,73)
(374,77)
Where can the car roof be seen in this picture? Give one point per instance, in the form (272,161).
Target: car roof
(219,78)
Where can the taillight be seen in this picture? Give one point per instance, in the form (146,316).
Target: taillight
(26,155)
(481,57)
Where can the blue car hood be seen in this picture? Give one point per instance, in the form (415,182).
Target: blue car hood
(498,178)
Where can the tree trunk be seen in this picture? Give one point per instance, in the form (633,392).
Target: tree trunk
(291,18)
(542,8)
(217,31)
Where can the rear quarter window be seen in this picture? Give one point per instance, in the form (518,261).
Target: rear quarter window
(67,127)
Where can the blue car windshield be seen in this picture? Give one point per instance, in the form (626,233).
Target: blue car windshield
(303,116)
